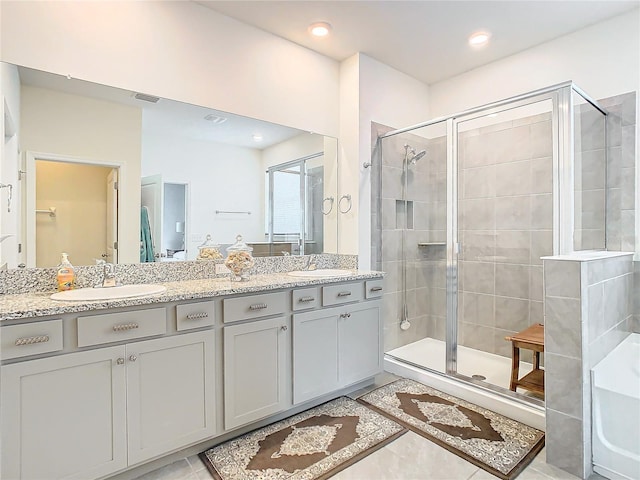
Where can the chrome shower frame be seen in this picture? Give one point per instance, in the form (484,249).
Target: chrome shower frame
(563,129)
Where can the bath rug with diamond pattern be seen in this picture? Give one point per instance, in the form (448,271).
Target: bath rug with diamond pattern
(312,445)
(497,444)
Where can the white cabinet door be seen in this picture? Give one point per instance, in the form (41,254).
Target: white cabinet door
(255,370)
(64,417)
(170,393)
(359,343)
(315,354)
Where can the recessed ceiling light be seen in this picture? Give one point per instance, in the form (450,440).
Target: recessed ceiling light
(256,137)
(319,29)
(479,39)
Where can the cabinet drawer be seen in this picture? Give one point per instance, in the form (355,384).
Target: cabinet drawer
(194,315)
(114,327)
(343,293)
(373,288)
(254,306)
(305,298)
(31,339)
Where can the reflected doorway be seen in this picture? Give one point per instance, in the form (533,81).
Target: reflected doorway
(73,208)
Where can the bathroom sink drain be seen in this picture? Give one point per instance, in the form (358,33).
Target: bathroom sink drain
(478,377)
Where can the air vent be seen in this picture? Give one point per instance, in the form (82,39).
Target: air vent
(146,98)
(215,119)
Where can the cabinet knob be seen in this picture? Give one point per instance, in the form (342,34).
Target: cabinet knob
(133,358)
(283,328)
(120,361)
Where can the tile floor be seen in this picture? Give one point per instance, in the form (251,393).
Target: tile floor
(410,457)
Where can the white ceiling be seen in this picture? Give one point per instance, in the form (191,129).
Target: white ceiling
(424,39)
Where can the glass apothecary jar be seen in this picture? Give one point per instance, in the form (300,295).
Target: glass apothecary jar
(239,260)
(209,250)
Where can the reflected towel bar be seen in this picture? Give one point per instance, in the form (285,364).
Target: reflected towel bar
(51,211)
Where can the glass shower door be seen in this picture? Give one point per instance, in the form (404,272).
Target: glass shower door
(504,161)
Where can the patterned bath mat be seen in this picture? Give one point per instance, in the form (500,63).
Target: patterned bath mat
(311,445)
(499,445)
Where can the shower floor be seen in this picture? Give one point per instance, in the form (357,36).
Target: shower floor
(430,353)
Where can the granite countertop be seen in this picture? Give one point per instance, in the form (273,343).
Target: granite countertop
(29,305)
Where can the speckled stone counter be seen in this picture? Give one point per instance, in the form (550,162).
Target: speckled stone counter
(30,305)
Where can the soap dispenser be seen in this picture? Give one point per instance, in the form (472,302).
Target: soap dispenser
(66,275)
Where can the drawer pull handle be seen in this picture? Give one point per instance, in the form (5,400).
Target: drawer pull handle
(196,316)
(345,315)
(257,306)
(344,294)
(306,299)
(32,340)
(376,289)
(125,326)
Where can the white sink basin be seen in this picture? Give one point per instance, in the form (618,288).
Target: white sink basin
(108,293)
(323,272)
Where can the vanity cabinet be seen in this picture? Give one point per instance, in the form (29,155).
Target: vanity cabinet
(91,394)
(334,348)
(257,378)
(87,414)
(64,417)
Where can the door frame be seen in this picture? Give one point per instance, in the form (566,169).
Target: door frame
(29,212)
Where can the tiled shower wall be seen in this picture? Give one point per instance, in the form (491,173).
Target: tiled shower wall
(505,222)
(425,237)
(621,171)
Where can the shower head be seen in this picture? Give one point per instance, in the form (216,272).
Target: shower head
(417,156)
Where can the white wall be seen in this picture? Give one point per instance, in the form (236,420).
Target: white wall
(382,95)
(177,50)
(10,220)
(219,177)
(297,147)
(603,60)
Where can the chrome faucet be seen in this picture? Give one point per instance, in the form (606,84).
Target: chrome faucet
(108,276)
(311,265)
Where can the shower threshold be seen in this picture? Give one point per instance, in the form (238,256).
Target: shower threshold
(424,361)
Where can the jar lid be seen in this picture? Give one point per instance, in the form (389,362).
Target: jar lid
(239,246)
(208,243)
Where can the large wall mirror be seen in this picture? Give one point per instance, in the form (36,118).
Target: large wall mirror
(109,174)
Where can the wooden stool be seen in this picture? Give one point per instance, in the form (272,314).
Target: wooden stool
(531,338)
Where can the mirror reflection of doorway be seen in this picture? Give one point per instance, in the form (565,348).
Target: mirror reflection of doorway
(166,204)
(73,197)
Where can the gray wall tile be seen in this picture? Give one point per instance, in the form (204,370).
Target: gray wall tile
(563,326)
(563,384)
(564,440)
(562,278)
